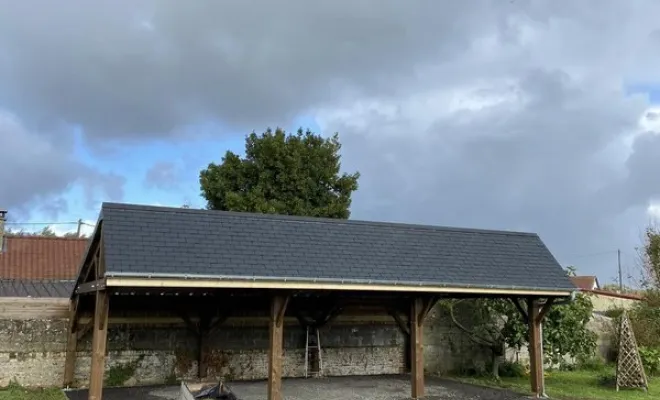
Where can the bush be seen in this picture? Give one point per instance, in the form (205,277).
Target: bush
(645,320)
(511,370)
(650,360)
(591,364)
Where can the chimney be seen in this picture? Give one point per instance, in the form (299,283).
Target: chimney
(3,216)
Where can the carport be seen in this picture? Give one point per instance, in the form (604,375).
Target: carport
(207,265)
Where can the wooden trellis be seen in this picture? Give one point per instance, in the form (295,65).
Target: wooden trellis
(629,369)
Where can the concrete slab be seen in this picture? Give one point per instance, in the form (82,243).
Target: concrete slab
(335,388)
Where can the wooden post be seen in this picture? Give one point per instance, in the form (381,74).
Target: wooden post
(416,350)
(535,350)
(99,341)
(419,309)
(71,344)
(276,325)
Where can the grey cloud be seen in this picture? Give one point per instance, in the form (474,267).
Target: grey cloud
(551,159)
(643,180)
(543,167)
(36,169)
(163,175)
(147,67)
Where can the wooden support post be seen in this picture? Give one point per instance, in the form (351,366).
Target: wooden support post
(535,350)
(99,341)
(419,309)
(276,325)
(71,344)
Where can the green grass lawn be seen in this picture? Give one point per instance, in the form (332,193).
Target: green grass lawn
(573,385)
(19,393)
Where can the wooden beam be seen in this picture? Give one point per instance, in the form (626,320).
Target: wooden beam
(190,325)
(319,315)
(240,321)
(417,313)
(82,331)
(91,267)
(71,343)
(99,342)
(535,350)
(544,310)
(100,265)
(276,328)
(91,286)
(219,320)
(520,308)
(156,282)
(404,326)
(428,302)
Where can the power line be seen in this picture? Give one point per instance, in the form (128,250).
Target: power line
(41,223)
(50,223)
(601,253)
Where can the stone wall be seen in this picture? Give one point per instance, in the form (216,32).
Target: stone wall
(32,352)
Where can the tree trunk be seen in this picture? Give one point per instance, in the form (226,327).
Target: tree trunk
(496,359)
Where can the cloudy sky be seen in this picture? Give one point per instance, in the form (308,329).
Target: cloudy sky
(510,114)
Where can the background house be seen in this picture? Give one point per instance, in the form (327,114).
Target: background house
(586,282)
(602,299)
(38,266)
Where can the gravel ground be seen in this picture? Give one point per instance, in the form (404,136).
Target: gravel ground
(336,388)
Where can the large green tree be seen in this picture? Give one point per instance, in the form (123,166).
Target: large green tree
(294,174)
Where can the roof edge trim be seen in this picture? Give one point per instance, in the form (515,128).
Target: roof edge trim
(306,219)
(161,281)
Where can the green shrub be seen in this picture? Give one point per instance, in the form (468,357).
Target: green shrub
(594,363)
(650,360)
(511,370)
(645,320)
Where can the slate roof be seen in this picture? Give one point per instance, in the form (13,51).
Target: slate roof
(177,242)
(41,257)
(35,288)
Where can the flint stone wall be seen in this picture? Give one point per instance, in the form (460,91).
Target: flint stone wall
(32,351)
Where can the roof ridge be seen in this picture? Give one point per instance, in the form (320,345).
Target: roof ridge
(305,219)
(39,280)
(41,237)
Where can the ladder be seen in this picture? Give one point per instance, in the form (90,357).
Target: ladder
(313,360)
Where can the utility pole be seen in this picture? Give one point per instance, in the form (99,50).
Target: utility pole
(80,227)
(618,256)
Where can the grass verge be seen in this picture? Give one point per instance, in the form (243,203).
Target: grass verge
(573,385)
(15,392)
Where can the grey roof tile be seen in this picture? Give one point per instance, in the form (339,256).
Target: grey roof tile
(161,240)
(35,288)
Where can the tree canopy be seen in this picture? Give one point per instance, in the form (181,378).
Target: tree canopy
(651,257)
(293,174)
(46,232)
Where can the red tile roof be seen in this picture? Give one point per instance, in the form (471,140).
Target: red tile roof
(609,293)
(41,257)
